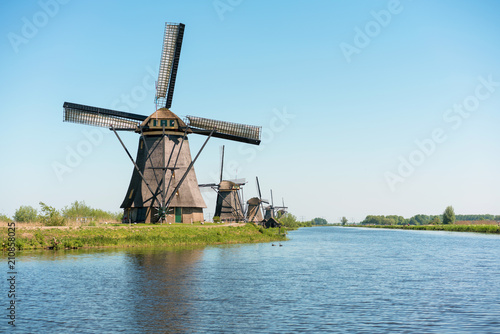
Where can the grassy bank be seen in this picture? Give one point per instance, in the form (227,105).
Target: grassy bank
(451,227)
(138,236)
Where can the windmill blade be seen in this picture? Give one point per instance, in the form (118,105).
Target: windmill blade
(222,164)
(172,43)
(240,182)
(206,185)
(233,131)
(82,114)
(258,188)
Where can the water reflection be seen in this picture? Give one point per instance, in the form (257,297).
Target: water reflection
(164,289)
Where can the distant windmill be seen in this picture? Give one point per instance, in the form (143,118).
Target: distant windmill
(282,210)
(228,206)
(274,211)
(163,185)
(254,206)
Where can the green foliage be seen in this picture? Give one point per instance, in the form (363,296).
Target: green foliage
(26,214)
(382,220)
(343,221)
(319,221)
(448,227)
(290,222)
(424,219)
(477,217)
(81,210)
(4,218)
(397,220)
(50,216)
(449,215)
(435,220)
(420,220)
(217,219)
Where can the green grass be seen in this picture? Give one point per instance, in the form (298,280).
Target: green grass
(451,227)
(139,236)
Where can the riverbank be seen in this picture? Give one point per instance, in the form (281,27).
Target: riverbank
(451,227)
(140,235)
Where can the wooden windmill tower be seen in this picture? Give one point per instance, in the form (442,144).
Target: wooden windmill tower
(163,185)
(229,205)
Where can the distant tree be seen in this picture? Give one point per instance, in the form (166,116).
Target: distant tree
(378,220)
(319,221)
(395,220)
(26,214)
(436,220)
(50,216)
(477,217)
(449,215)
(4,218)
(289,220)
(343,221)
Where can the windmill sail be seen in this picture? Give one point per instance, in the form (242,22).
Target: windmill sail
(82,114)
(172,43)
(233,131)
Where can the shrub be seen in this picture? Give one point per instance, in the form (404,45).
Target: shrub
(51,217)
(4,218)
(25,214)
(80,209)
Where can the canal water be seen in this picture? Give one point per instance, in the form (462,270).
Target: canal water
(324,280)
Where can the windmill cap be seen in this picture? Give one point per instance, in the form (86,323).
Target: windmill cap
(164,114)
(228,185)
(254,201)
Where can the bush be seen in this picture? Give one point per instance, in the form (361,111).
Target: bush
(4,218)
(25,214)
(80,209)
(51,217)
(290,221)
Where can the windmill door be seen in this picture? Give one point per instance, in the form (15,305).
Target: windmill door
(178,215)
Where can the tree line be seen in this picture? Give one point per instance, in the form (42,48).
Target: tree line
(448,217)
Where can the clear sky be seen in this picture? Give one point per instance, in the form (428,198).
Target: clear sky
(368,107)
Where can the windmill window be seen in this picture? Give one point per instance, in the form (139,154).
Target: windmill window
(172,122)
(163,123)
(155,122)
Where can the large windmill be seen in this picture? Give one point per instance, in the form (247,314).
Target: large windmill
(229,205)
(163,185)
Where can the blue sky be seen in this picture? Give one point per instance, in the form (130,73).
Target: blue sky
(368,107)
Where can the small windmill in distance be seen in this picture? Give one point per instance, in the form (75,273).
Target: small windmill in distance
(254,206)
(274,211)
(229,205)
